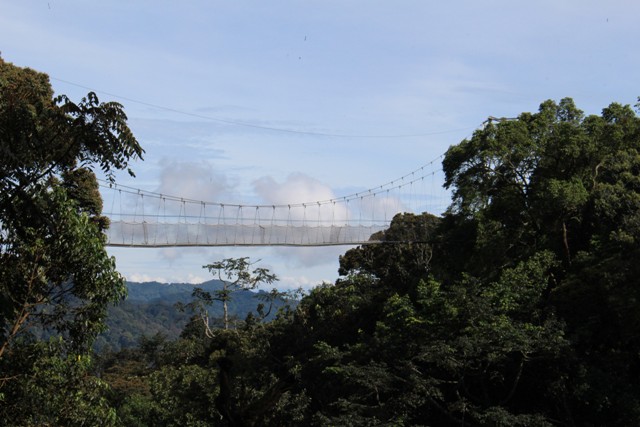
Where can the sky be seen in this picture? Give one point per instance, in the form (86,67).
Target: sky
(247,101)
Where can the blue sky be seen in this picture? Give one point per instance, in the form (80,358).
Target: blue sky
(377,71)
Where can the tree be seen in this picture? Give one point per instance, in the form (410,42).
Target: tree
(234,274)
(54,271)
(561,183)
(397,341)
(46,385)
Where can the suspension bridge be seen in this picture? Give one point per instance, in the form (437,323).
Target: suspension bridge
(141,218)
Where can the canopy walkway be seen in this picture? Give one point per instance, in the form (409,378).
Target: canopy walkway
(148,219)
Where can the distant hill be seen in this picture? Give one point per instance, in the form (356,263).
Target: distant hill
(150,309)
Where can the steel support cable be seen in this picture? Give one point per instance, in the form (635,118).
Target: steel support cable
(113,201)
(135,213)
(288,225)
(319,225)
(121,218)
(273,214)
(182,214)
(366,200)
(199,224)
(361,210)
(157,223)
(224,223)
(238,224)
(304,225)
(145,231)
(164,213)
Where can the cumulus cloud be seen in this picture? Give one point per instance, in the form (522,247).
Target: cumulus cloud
(193,180)
(297,188)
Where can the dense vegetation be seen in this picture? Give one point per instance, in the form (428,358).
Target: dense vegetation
(54,271)
(518,306)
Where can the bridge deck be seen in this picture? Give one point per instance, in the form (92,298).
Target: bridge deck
(147,234)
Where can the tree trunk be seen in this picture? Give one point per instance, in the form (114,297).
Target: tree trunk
(225,310)
(565,241)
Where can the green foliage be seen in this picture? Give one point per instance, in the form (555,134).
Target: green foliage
(44,385)
(211,376)
(433,351)
(184,395)
(232,378)
(559,183)
(54,271)
(58,277)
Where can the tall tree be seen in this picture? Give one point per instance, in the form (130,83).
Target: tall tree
(558,182)
(234,274)
(54,271)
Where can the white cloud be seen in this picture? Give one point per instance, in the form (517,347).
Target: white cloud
(193,279)
(172,255)
(193,180)
(298,187)
(295,282)
(188,278)
(143,277)
(307,257)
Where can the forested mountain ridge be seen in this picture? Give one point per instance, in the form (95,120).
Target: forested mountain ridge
(150,309)
(169,292)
